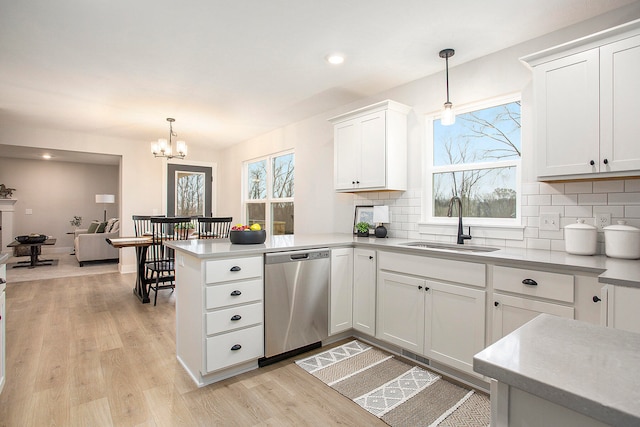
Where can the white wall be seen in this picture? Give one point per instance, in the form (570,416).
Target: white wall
(319,209)
(55,192)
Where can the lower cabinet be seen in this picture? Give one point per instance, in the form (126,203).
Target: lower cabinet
(341,290)
(621,309)
(454,324)
(364,291)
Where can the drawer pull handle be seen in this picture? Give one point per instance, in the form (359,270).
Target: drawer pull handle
(529,282)
(496,303)
(235,268)
(596,299)
(236,317)
(592,163)
(236,347)
(236,293)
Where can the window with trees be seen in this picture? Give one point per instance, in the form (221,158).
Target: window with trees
(478,159)
(269,188)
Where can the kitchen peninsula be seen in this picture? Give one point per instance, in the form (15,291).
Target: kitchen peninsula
(218,282)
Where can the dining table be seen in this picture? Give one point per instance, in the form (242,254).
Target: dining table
(141,244)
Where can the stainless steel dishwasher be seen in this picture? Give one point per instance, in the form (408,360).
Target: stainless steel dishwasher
(296,302)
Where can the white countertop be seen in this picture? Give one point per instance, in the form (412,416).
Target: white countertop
(610,270)
(590,369)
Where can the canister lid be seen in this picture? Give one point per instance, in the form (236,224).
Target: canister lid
(622,226)
(580,225)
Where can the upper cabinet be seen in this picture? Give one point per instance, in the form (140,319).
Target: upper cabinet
(370,148)
(586,99)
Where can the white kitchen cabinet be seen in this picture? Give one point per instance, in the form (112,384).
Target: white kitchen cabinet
(621,308)
(3,342)
(586,95)
(370,148)
(219,316)
(364,291)
(400,313)
(341,291)
(454,324)
(588,302)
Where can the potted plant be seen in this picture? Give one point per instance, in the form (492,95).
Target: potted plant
(187,225)
(76,221)
(362,229)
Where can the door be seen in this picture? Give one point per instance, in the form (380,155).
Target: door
(340,290)
(373,153)
(567,114)
(346,137)
(189,190)
(401,311)
(454,324)
(364,291)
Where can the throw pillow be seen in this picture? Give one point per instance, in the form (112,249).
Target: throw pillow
(115,227)
(109,226)
(101,227)
(93,227)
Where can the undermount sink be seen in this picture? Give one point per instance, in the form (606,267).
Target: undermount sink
(450,247)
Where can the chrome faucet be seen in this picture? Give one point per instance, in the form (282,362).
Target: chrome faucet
(461,237)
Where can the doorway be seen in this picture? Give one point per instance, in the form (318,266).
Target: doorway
(189,190)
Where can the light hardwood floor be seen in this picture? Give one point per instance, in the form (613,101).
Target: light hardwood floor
(83,351)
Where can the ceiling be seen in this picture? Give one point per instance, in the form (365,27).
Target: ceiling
(231,70)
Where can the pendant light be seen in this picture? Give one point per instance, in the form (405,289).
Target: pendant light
(448,115)
(164,149)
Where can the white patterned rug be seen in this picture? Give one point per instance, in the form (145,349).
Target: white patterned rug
(394,391)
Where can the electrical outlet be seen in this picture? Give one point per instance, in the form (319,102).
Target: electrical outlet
(603,220)
(550,221)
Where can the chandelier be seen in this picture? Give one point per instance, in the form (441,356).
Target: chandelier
(162,148)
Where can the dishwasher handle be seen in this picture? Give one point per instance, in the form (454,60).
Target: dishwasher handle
(297,256)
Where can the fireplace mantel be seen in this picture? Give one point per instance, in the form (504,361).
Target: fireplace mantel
(7,208)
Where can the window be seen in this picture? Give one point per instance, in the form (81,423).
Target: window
(269,188)
(477,159)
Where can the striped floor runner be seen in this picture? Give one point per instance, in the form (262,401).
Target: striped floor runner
(396,392)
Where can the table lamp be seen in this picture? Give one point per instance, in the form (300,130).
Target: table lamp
(381,215)
(104,199)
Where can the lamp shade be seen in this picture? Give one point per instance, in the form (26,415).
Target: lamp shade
(105,198)
(381,214)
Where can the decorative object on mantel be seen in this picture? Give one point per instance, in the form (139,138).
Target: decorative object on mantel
(380,217)
(6,193)
(448,115)
(76,221)
(363,214)
(164,149)
(105,199)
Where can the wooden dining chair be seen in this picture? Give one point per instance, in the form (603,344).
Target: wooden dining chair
(160,270)
(214,227)
(142,224)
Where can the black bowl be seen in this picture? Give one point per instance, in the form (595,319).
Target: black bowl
(247,237)
(31,239)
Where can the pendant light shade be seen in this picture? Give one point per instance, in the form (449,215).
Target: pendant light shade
(448,114)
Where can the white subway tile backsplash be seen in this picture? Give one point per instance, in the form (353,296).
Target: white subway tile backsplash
(624,198)
(530,188)
(632,212)
(552,209)
(610,209)
(554,188)
(539,200)
(543,244)
(592,199)
(564,199)
(529,211)
(557,245)
(608,186)
(632,185)
(578,211)
(578,187)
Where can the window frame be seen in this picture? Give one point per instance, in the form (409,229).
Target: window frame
(431,170)
(269,200)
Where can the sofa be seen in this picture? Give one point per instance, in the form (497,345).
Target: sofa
(91,244)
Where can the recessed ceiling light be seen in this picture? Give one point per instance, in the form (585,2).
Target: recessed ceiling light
(47,156)
(335,58)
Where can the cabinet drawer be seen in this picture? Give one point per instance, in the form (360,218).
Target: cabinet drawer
(469,273)
(224,270)
(219,348)
(547,285)
(232,318)
(233,293)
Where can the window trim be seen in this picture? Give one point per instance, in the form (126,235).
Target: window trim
(269,200)
(430,169)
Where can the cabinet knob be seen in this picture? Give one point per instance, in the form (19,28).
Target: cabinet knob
(235,268)
(592,163)
(357,182)
(419,287)
(370,257)
(496,303)
(596,299)
(529,282)
(353,182)
(236,317)
(605,161)
(236,347)
(426,288)
(236,293)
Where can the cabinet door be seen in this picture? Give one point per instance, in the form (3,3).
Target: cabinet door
(346,147)
(567,114)
(341,290)
(364,291)
(401,311)
(620,103)
(509,313)
(589,300)
(454,324)
(622,308)
(373,153)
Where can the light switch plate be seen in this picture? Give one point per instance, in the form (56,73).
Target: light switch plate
(550,221)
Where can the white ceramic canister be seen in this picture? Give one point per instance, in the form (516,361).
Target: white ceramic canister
(622,241)
(580,238)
